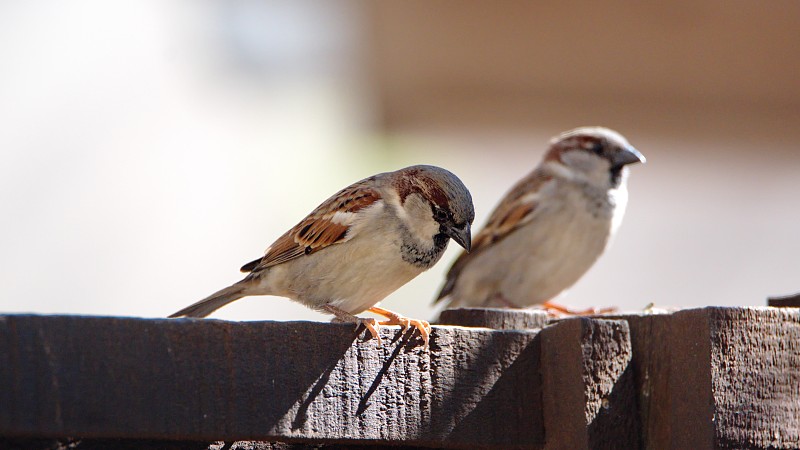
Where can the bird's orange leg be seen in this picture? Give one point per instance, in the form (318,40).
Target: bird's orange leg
(555,309)
(396,319)
(343,316)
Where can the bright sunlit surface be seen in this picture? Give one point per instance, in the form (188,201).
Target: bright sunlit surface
(149,149)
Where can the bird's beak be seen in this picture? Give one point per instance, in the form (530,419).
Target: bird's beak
(629,155)
(461,235)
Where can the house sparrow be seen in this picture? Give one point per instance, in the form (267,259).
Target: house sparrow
(550,228)
(359,246)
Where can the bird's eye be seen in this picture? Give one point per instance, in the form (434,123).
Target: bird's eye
(597,148)
(439,214)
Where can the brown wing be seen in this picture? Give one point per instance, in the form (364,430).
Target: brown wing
(513,211)
(327,225)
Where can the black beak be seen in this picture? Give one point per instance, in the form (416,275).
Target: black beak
(628,155)
(461,235)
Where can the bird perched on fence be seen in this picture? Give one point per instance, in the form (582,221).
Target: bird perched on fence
(550,228)
(359,246)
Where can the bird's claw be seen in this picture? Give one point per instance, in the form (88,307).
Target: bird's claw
(372,326)
(396,319)
(423,326)
(369,323)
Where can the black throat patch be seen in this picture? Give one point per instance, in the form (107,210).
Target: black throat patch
(424,258)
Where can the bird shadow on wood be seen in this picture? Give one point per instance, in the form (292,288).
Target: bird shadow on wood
(323,379)
(405,343)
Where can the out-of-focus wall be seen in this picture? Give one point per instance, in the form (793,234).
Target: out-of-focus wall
(467,62)
(709,91)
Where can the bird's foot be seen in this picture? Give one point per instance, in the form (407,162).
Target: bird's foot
(556,310)
(396,319)
(369,323)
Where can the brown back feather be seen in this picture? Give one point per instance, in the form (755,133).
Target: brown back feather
(318,230)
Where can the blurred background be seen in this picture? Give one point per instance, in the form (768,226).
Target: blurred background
(150,148)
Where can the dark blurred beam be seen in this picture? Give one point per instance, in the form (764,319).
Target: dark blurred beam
(788,301)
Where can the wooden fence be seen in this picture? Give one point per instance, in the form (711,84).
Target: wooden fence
(698,378)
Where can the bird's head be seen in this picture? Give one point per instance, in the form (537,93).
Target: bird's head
(596,154)
(436,204)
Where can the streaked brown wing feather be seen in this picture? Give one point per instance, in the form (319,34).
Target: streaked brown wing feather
(319,229)
(509,215)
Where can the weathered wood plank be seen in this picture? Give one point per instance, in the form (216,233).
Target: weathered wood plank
(755,376)
(299,381)
(589,397)
(703,378)
(495,318)
(651,363)
(141,444)
(718,378)
(788,301)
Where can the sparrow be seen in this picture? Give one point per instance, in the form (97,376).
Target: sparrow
(359,246)
(550,227)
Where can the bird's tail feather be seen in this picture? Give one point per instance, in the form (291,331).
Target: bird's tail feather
(214,301)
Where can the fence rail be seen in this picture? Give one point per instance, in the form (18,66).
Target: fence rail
(699,378)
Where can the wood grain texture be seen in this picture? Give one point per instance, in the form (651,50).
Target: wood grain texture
(702,378)
(142,444)
(755,377)
(588,389)
(196,380)
(495,318)
(651,364)
(718,378)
